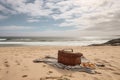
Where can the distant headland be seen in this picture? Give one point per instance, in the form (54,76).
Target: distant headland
(113,42)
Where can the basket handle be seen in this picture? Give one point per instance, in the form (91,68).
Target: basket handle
(67,50)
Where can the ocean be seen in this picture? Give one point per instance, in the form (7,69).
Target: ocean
(53,41)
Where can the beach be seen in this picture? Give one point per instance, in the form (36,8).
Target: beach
(16,63)
(59,39)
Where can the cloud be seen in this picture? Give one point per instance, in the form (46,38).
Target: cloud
(88,16)
(14,28)
(31,9)
(84,10)
(110,23)
(65,9)
(4,9)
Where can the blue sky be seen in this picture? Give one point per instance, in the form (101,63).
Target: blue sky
(59,17)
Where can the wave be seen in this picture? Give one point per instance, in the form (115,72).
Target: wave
(3,39)
(58,41)
(48,39)
(55,43)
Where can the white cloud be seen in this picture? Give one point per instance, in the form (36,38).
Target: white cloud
(81,14)
(68,9)
(31,9)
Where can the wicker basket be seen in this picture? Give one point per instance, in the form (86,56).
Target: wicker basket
(69,58)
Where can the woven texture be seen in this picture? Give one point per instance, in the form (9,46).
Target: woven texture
(69,58)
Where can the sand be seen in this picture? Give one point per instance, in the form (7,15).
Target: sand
(16,63)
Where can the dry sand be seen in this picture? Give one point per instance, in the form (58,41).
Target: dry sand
(16,63)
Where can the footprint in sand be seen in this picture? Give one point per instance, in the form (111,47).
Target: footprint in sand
(44,65)
(42,79)
(6,64)
(25,76)
(54,78)
(50,72)
(95,78)
(112,56)
(117,73)
(17,62)
(96,59)
(68,75)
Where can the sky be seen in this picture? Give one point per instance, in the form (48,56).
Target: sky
(70,18)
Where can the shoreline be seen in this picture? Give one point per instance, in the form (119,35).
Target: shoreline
(113,42)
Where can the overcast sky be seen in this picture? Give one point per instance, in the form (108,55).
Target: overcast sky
(59,17)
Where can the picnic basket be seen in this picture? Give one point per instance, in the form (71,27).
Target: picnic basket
(68,57)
